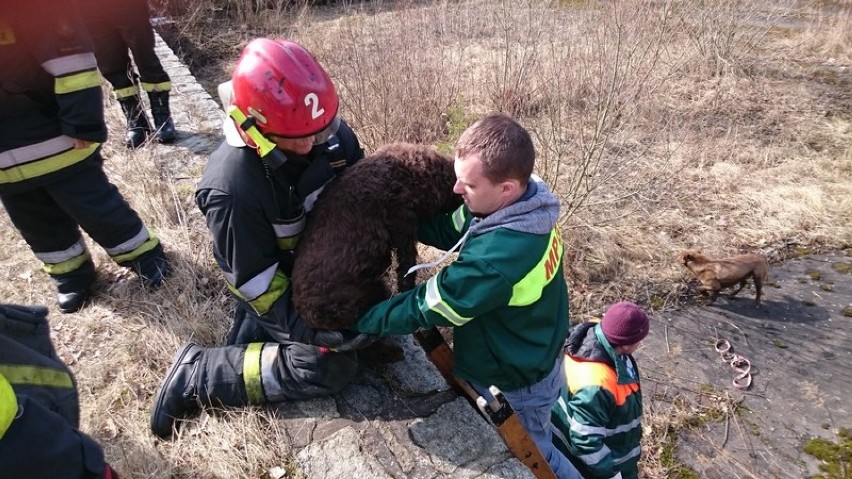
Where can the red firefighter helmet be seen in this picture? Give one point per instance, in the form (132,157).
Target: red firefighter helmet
(282,86)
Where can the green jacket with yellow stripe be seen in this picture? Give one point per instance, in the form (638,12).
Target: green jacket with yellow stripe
(50,93)
(598,418)
(505,295)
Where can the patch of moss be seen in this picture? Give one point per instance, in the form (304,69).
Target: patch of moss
(825,287)
(802,280)
(826,76)
(185,190)
(575,4)
(674,468)
(781,32)
(779,344)
(800,252)
(774,284)
(754,429)
(705,388)
(808,302)
(814,274)
(656,302)
(845,268)
(836,456)
(847,311)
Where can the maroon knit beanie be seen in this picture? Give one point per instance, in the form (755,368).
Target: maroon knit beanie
(624,324)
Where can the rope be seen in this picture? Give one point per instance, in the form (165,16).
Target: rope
(740,364)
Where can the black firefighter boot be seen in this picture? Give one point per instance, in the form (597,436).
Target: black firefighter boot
(162,116)
(198,378)
(152,267)
(138,127)
(73,288)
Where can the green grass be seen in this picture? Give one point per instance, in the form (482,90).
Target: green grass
(835,456)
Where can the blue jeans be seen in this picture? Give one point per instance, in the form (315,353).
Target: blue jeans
(532,404)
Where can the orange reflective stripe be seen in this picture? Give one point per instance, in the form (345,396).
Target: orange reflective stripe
(581,374)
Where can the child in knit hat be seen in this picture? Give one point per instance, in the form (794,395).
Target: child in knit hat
(598,419)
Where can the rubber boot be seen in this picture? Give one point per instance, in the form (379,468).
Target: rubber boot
(138,127)
(198,378)
(73,288)
(152,267)
(165,127)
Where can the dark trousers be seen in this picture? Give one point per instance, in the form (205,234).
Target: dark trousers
(299,371)
(50,216)
(116,27)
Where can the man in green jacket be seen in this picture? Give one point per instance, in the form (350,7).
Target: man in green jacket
(505,295)
(598,419)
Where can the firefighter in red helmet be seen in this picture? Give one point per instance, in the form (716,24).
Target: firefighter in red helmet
(284,140)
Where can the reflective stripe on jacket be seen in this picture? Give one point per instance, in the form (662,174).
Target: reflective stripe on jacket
(49,91)
(8,405)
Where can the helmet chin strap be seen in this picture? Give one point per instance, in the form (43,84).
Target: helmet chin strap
(274,159)
(265,148)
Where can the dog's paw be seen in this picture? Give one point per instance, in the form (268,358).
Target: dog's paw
(382,352)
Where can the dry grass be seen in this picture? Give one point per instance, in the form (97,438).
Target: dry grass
(663,125)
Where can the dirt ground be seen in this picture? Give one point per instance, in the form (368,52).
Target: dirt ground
(798,343)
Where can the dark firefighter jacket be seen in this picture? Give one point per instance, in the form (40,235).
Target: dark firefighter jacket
(254,237)
(50,92)
(39,412)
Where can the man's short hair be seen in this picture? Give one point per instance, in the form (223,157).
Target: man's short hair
(505,147)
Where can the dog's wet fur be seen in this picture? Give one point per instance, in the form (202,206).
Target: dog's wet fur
(717,274)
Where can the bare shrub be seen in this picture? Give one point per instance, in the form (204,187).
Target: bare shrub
(724,32)
(395,77)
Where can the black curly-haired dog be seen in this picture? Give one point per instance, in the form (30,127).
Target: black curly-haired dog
(361,218)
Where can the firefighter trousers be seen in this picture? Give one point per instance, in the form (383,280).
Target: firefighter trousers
(49,217)
(115,28)
(275,368)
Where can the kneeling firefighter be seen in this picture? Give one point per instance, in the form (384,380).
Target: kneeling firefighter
(283,142)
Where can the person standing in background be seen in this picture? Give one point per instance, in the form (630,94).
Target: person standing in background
(598,419)
(52,181)
(118,27)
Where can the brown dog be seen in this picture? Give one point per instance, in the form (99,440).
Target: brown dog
(715,274)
